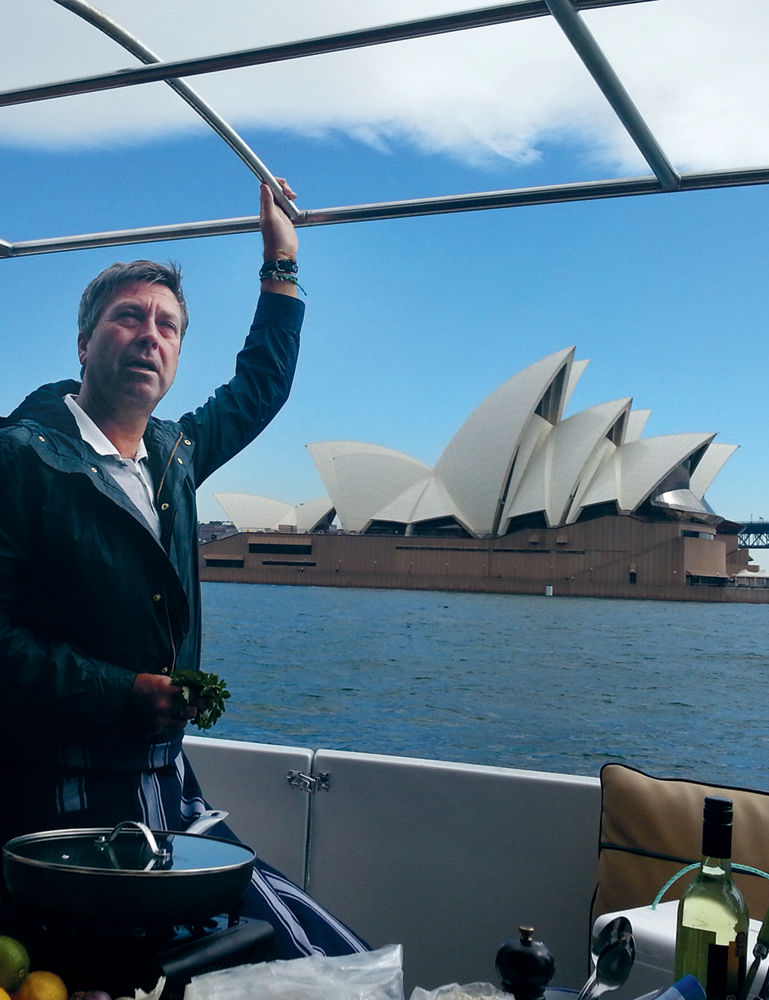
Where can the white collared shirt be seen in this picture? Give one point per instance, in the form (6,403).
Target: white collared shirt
(132,475)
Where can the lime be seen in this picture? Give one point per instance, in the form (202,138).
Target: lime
(41,985)
(14,963)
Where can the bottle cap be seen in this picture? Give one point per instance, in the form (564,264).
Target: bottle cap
(718,811)
(689,988)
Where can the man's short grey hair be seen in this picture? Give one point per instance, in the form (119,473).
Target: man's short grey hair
(103,287)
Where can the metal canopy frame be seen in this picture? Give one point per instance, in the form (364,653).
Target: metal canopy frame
(564,12)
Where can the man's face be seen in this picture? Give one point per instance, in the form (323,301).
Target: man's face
(131,356)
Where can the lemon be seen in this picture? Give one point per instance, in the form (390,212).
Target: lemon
(4,995)
(41,985)
(14,964)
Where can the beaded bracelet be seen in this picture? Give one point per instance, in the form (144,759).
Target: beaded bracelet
(283,269)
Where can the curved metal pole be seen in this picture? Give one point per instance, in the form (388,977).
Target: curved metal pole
(118,34)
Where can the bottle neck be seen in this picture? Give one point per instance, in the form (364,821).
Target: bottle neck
(716,867)
(717,841)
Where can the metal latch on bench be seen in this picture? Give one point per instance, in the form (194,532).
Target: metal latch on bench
(309,783)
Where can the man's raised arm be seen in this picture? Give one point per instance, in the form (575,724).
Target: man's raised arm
(279,270)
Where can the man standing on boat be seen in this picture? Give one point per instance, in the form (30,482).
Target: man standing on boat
(99,591)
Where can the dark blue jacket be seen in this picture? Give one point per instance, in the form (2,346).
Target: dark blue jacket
(88,597)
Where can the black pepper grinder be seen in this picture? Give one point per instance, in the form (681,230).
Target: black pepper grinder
(525,966)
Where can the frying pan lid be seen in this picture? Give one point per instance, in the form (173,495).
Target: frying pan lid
(128,847)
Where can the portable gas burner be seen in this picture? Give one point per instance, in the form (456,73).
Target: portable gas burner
(121,960)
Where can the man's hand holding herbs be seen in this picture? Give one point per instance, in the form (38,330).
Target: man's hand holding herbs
(204,695)
(161,706)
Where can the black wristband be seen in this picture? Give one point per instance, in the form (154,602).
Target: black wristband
(275,268)
(284,269)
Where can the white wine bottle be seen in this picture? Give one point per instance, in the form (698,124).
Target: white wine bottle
(712,930)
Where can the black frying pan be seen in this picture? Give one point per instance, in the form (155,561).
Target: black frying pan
(127,876)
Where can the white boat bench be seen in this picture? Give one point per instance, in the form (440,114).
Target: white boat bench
(446,859)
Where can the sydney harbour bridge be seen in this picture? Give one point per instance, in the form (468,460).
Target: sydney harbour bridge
(754,535)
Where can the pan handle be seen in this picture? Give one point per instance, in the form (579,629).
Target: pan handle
(158,854)
(207,819)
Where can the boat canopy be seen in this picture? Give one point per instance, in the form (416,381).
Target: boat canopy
(663,176)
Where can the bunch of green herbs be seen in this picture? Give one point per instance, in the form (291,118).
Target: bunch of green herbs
(206,691)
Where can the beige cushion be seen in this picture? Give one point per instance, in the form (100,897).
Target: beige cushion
(652,827)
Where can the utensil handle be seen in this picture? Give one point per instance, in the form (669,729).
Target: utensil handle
(145,831)
(206,820)
(587,988)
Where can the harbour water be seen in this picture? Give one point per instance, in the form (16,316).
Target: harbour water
(543,683)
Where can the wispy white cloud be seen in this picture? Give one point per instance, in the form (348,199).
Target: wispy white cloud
(697,69)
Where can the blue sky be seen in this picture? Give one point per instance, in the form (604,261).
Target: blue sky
(412,323)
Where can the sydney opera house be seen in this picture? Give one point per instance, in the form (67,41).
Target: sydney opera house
(523,499)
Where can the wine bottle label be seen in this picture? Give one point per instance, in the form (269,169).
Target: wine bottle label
(720,968)
(726,969)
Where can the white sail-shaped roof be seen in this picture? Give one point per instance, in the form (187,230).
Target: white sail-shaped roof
(532,440)
(637,469)
(709,466)
(401,509)
(436,502)
(599,457)
(476,464)
(362,478)
(575,374)
(554,474)
(515,456)
(254,513)
(636,423)
(309,515)
(426,500)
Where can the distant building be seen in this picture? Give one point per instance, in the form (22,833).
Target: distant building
(211,530)
(516,462)
(525,500)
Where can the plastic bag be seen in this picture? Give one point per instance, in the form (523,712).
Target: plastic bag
(154,994)
(373,975)
(472,991)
